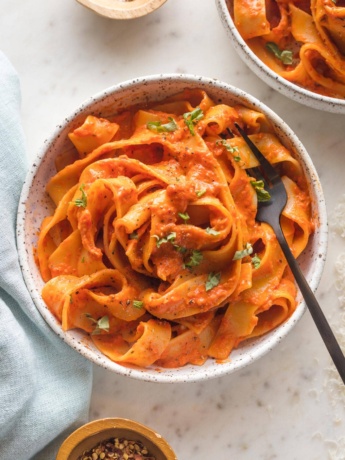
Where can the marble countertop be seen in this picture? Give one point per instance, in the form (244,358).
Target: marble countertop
(287,405)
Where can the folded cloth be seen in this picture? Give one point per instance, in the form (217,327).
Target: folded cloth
(45,385)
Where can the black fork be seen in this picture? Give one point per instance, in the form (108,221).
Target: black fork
(270,212)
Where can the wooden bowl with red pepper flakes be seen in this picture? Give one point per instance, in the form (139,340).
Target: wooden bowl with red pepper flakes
(122,9)
(115,439)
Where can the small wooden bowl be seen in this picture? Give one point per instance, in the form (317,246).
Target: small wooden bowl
(122,9)
(88,436)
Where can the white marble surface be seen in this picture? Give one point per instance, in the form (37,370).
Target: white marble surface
(289,405)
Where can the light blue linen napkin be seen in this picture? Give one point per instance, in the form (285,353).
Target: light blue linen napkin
(45,386)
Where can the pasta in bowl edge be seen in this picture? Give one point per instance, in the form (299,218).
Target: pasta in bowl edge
(135,290)
(305,76)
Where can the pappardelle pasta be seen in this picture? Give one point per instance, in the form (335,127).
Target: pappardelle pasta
(153,249)
(302,41)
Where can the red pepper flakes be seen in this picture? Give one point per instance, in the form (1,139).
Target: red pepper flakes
(117,449)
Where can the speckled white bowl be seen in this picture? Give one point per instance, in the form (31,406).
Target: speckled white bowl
(295,92)
(35,205)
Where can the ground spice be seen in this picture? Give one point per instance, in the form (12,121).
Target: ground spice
(117,449)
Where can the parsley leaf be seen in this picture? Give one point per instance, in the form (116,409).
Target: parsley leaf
(212,231)
(137,303)
(195,259)
(184,216)
(228,147)
(283,55)
(246,252)
(133,235)
(256,261)
(200,193)
(81,202)
(158,127)
(212,280)
(259,187)
(191,119)
(170,238)
(102,324)
(180,249)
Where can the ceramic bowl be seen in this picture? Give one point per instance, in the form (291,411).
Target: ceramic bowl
(122,9)
(35,205)
(295,92)
(91,434)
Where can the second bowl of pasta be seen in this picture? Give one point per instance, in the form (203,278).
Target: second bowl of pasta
(137,230)
(295,47)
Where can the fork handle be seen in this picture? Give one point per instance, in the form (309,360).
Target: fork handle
(314,308)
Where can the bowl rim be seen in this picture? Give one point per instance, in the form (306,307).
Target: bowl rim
(96,426)
(289,89)
(169,375)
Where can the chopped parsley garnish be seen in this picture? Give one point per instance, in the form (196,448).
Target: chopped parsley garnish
(158,127)
(195,259)
(256,261)
(192,258)
(212,281)
(133,236)
(180,249)
(138,304)
(81,202)
(229,149)
(102,324)
(184,216)
(200,193)
(192,118)
(212,231)
(246,252)
(259,187)
(283,55)
(170,238)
